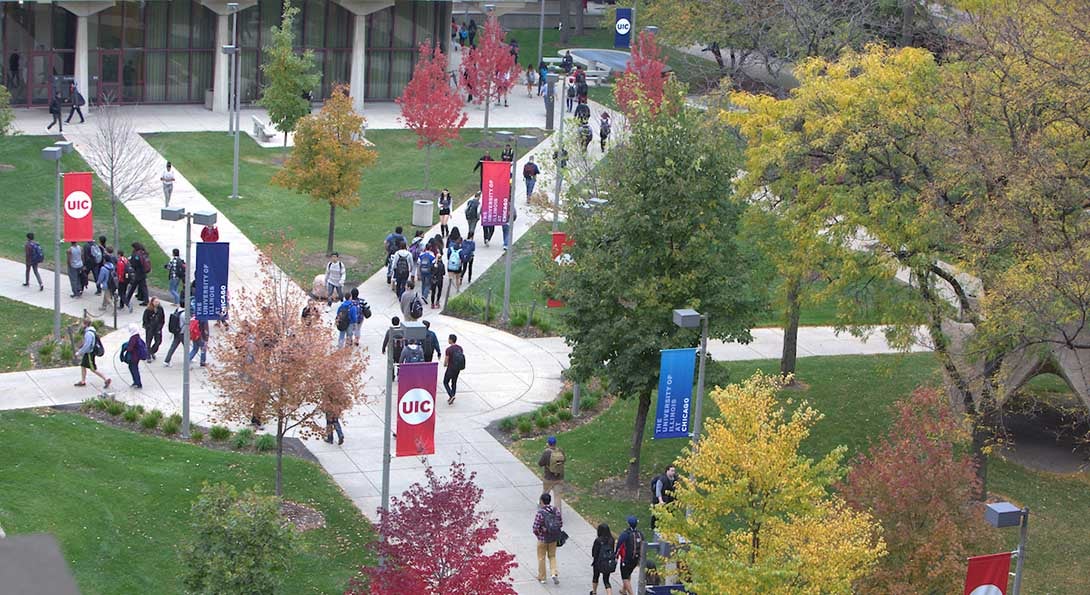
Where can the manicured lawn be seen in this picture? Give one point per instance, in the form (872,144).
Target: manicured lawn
(854,393)
(267,213)
(23,324)
(119,502)
(27,200)
(527,38)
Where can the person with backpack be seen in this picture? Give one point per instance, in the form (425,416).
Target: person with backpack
(567,62)
(140,266)
(107,278)
(92,348)
(424,264)
(154,320)
(472,34)
(390,243)
(582,113)
(542,80)
(75,269)
(438,270)
(175,274)
(602,561)
(347,315)
(33,255)
(454,267)
(412,307)
(473,211)
(77,103)
(403,268)
(412,353)
(198,341)
(585,136)
(124,277)
(552,461)
(445,202)
(98,258)
(334,278)
(604,128)
(629,546)
(468,251)
(662,490)
(55,111)
(87,275)
(529,176)
(210,233)
(175,324)
(454,361)
(431,342)
(548,528)
(333,424)
(133,352)
(363,312)
(582,90)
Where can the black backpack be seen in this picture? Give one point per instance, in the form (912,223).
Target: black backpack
(606,562)
(174,323)
(100,350)
(365,309)
(552,525)
(342,318)
(401,268)
(632,554)
(458,360)
(416,308)
(471,209)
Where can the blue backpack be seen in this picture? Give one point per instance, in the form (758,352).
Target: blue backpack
(36,253)
(454,259)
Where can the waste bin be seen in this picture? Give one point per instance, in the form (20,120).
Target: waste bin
(423,211)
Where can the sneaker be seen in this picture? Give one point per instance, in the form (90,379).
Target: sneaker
(541,580)
(556,580)
(166,364)
(340,441)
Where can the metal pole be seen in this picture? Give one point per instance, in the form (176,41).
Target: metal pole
(560,159)
(505,316)
(387,428)
(1016,590)
(540,35)
(698,409)
(186,290)
(231,74)
(57,264)
(238,84)
(576,391)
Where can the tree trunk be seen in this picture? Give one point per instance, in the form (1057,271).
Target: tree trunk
(427,167)
(718,57)
(332,220)
(908,22)
(565,10)
(279,456)
(487,105)
(632,479)
(791,327)
(579,17)
(285,139)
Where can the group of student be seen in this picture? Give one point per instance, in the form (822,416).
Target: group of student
(447,255)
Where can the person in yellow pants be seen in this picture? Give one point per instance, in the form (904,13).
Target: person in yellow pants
(548,528)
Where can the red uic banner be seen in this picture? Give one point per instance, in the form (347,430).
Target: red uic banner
(78,219)
(416,384)
(987,575)
(560,243)
(495,192)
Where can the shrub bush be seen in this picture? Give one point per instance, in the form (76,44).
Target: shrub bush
(156,413)
(507,424)
(45,350)
(175,417)
(549,420)
(140,409)
(90,404)
(67,352)
(131,415)
(265,443)
(219,433)
(525,425)
(196,436)
(101,404)
(564,414)
(170,426)
(541,421)
(551,407)
(590,403)
(244,438)
(115,407)
(150,421)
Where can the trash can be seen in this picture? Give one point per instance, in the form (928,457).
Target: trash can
(423,211)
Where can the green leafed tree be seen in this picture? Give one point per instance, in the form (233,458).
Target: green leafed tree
(291,76)
(666,239)
(240,543)
(7,115)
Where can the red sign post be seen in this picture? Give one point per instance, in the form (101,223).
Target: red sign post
(495,192)
(416,384)
(560,242)
(78,220)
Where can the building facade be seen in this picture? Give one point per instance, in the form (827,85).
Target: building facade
(167,51)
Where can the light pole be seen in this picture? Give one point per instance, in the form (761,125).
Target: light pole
(561,160)
(540,35)
(232,9)
(200,218)
(509,236)
(689,318)
(1004,514)
(54,153)
(233,91)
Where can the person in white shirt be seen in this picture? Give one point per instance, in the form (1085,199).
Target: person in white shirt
(334,278)
(168,184)
(404,267)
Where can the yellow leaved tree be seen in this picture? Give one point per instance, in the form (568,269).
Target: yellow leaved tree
(761,518)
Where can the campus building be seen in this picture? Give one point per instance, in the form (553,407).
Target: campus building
(168,51)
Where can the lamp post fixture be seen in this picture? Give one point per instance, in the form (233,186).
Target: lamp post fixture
(540,34)
(509,237)
(689,318)
(55,153)
(200,218)
(1004,514)
(561,159)
(233,90)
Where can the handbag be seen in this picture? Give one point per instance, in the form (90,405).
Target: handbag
(560,541)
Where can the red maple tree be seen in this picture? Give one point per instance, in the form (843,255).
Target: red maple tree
(919,483)
(490,70)
(434,541)
(644,77)
(429,106)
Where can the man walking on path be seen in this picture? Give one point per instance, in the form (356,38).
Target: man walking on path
(662,490)
(87,354)
(469,250)
(140,265)
(552,468)
(431,343)
(480,165)
(135,351)
(175,324)
(403,266)
(454,361)
(629,544)
(55,111)
(77,102)
(347,317)
(394,344)
(168,184)
(391,247)
(198,341)
(473,212)
(412,307)
(154,319)
(75,267)
(334,278)
(33,255)
(529,175)
(547,528)
(175,273)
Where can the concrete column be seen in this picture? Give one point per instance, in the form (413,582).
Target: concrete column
(81,62)
(219,79)
(359,62)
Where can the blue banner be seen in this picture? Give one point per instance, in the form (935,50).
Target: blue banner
(622,28)
(210,276)
(675,393)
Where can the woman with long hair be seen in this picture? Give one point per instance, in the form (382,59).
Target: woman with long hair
(602,560)
(444,211)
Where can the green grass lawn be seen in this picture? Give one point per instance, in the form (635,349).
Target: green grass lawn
(27,197)
(119,502)
(23,325)
(592,38)
(854,393)
(267,213)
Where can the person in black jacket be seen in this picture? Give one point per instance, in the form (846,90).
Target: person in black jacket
(77,102)
(154,319)
(602,561)
(141,264)
(55,111)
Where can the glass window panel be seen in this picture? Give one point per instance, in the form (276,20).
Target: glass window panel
(403,25)
(155,76)
(314,36)
(204,27)
(400,72)
(270,17)
(65,63)
(378,33)
(337,70)
(178,83)
(64,29)
(339,27)
(179,23)
(249,77)
(248,27)
(297,25)
(94,72)
(425,22)
(41,27)
(200,74)
(378,73)
(132,82)
(134,24)
(158,19)
(109,27)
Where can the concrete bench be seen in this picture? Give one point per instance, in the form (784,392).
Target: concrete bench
(262,131)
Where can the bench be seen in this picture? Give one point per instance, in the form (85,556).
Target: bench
(262,131)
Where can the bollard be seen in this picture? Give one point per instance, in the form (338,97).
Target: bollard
(575,394)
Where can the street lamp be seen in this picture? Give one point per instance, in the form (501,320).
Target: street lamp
(1004,514)
(409,330)
(54,153)
(234,67)
(540,35)
(689,318)
(509,229)
(200,218)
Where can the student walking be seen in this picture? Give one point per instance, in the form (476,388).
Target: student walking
(133,352)
(333,424)
(602,561)
(480,165)
(454,267)
(468,251)
(529,176)
(334,278)
(444,212)
(168,184)
(473,212)
(412,307)
(175,324)
(570,94)
(391,247)
(107,278)
(402,264)
(140,266)
(91,349)
(424,265)
(454,361)
(363,312)
(55,111)
(393,343)
(629,545)
(77,102)
(154,319)
(542,77)
(75,269)
(548,528)
(551,462)
(508,154)
(604,128)
(431,342)
(124,277)
(33,255)
(438,271)
(175,274)
(412,353)
(198,341)
(531,80)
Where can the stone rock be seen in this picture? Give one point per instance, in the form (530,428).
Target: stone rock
(318,288)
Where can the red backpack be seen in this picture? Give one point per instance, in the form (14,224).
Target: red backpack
(194,330)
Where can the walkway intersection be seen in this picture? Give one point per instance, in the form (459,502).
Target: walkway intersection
(505,375)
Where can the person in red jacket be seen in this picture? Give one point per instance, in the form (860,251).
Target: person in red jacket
(210,233)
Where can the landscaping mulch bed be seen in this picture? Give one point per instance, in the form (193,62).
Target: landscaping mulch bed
(303,517)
